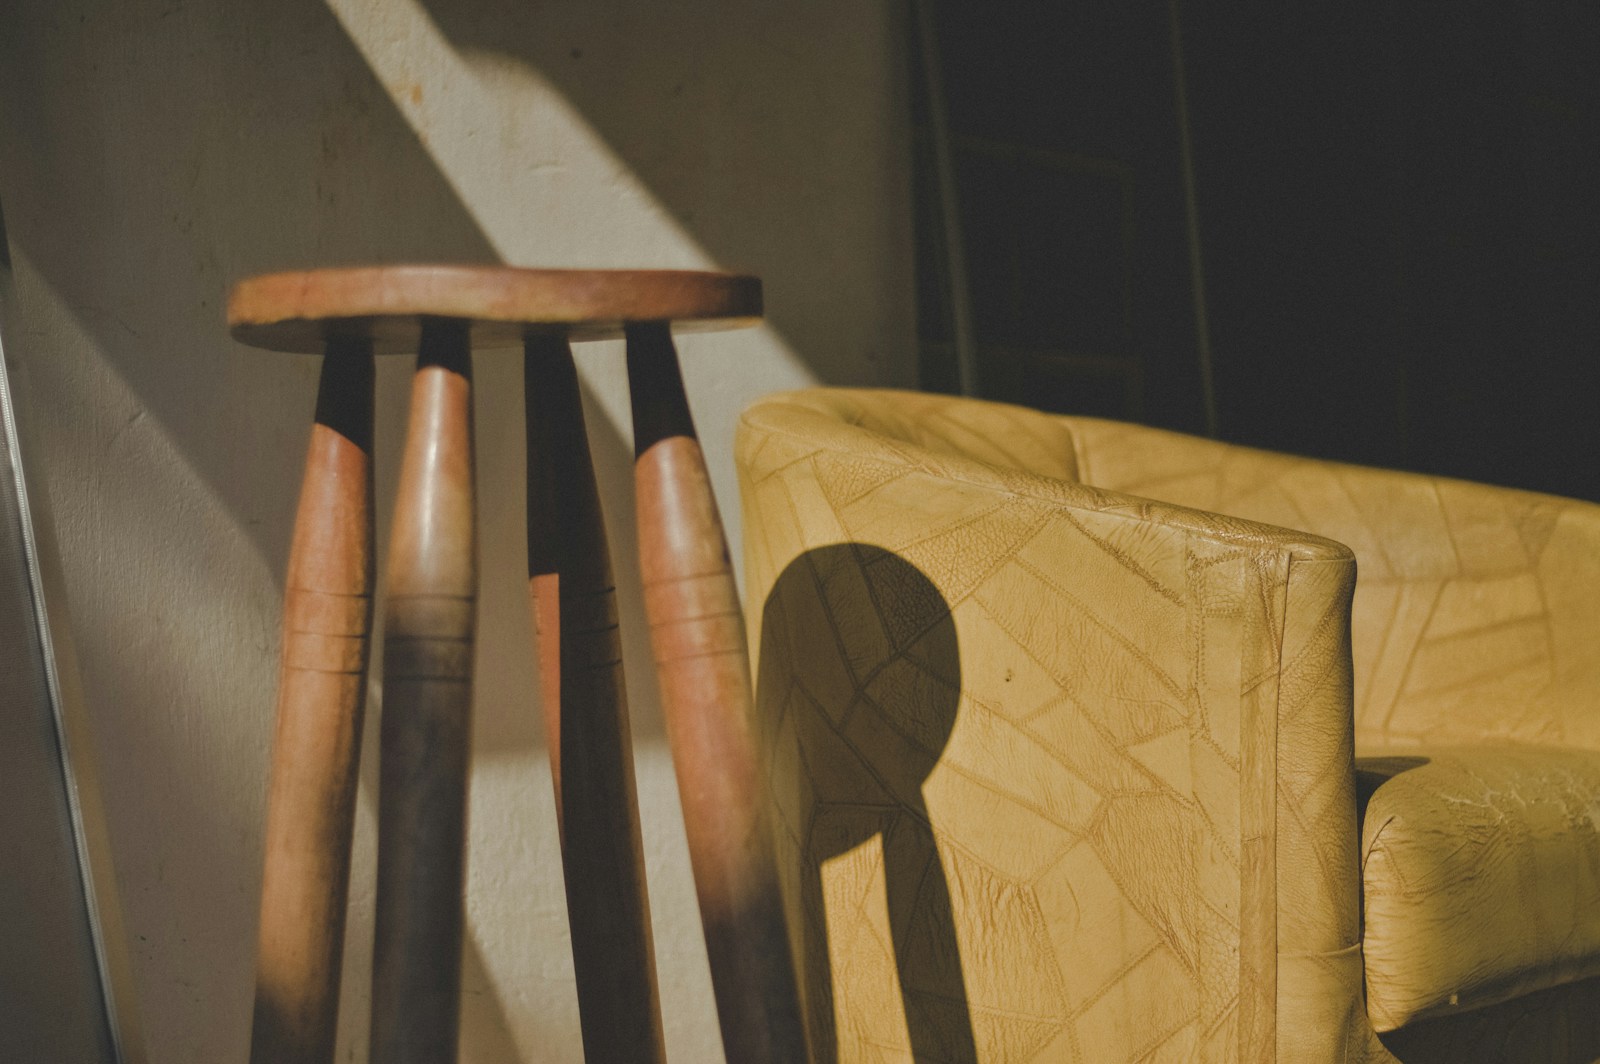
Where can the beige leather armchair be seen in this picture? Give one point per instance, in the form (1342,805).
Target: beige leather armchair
(1063,773)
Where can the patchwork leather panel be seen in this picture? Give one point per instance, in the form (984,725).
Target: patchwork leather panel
(1060,774)
(1481,870)
(1475,614)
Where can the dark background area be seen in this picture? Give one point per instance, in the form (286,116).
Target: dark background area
(1398,218)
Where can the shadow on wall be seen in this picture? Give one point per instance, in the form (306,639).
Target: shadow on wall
(859,684)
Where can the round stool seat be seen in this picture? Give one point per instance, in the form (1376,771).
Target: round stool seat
(303,311)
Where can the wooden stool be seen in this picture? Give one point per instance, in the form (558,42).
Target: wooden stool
(697,632)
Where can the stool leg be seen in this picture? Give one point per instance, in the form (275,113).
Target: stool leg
(327,618)
(697,633)
(586,720)
(427,696)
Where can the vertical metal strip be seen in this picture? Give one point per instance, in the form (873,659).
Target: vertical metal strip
(92,845)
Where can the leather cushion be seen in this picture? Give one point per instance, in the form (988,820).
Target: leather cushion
(1481,877)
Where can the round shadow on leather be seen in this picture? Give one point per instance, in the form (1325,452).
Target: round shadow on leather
(859,680)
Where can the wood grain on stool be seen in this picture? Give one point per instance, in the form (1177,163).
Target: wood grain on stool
(327,619)
(586,720)
(427,698)
(698,637)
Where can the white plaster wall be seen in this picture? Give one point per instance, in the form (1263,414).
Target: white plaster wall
(152,151)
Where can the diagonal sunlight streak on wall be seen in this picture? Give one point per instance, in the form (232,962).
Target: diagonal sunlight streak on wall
(517,153)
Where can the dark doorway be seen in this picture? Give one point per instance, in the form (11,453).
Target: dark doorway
(1400,235)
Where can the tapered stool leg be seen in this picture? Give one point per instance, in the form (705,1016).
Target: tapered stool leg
(427,661)
(698,637)
(586,720)
(327,618)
